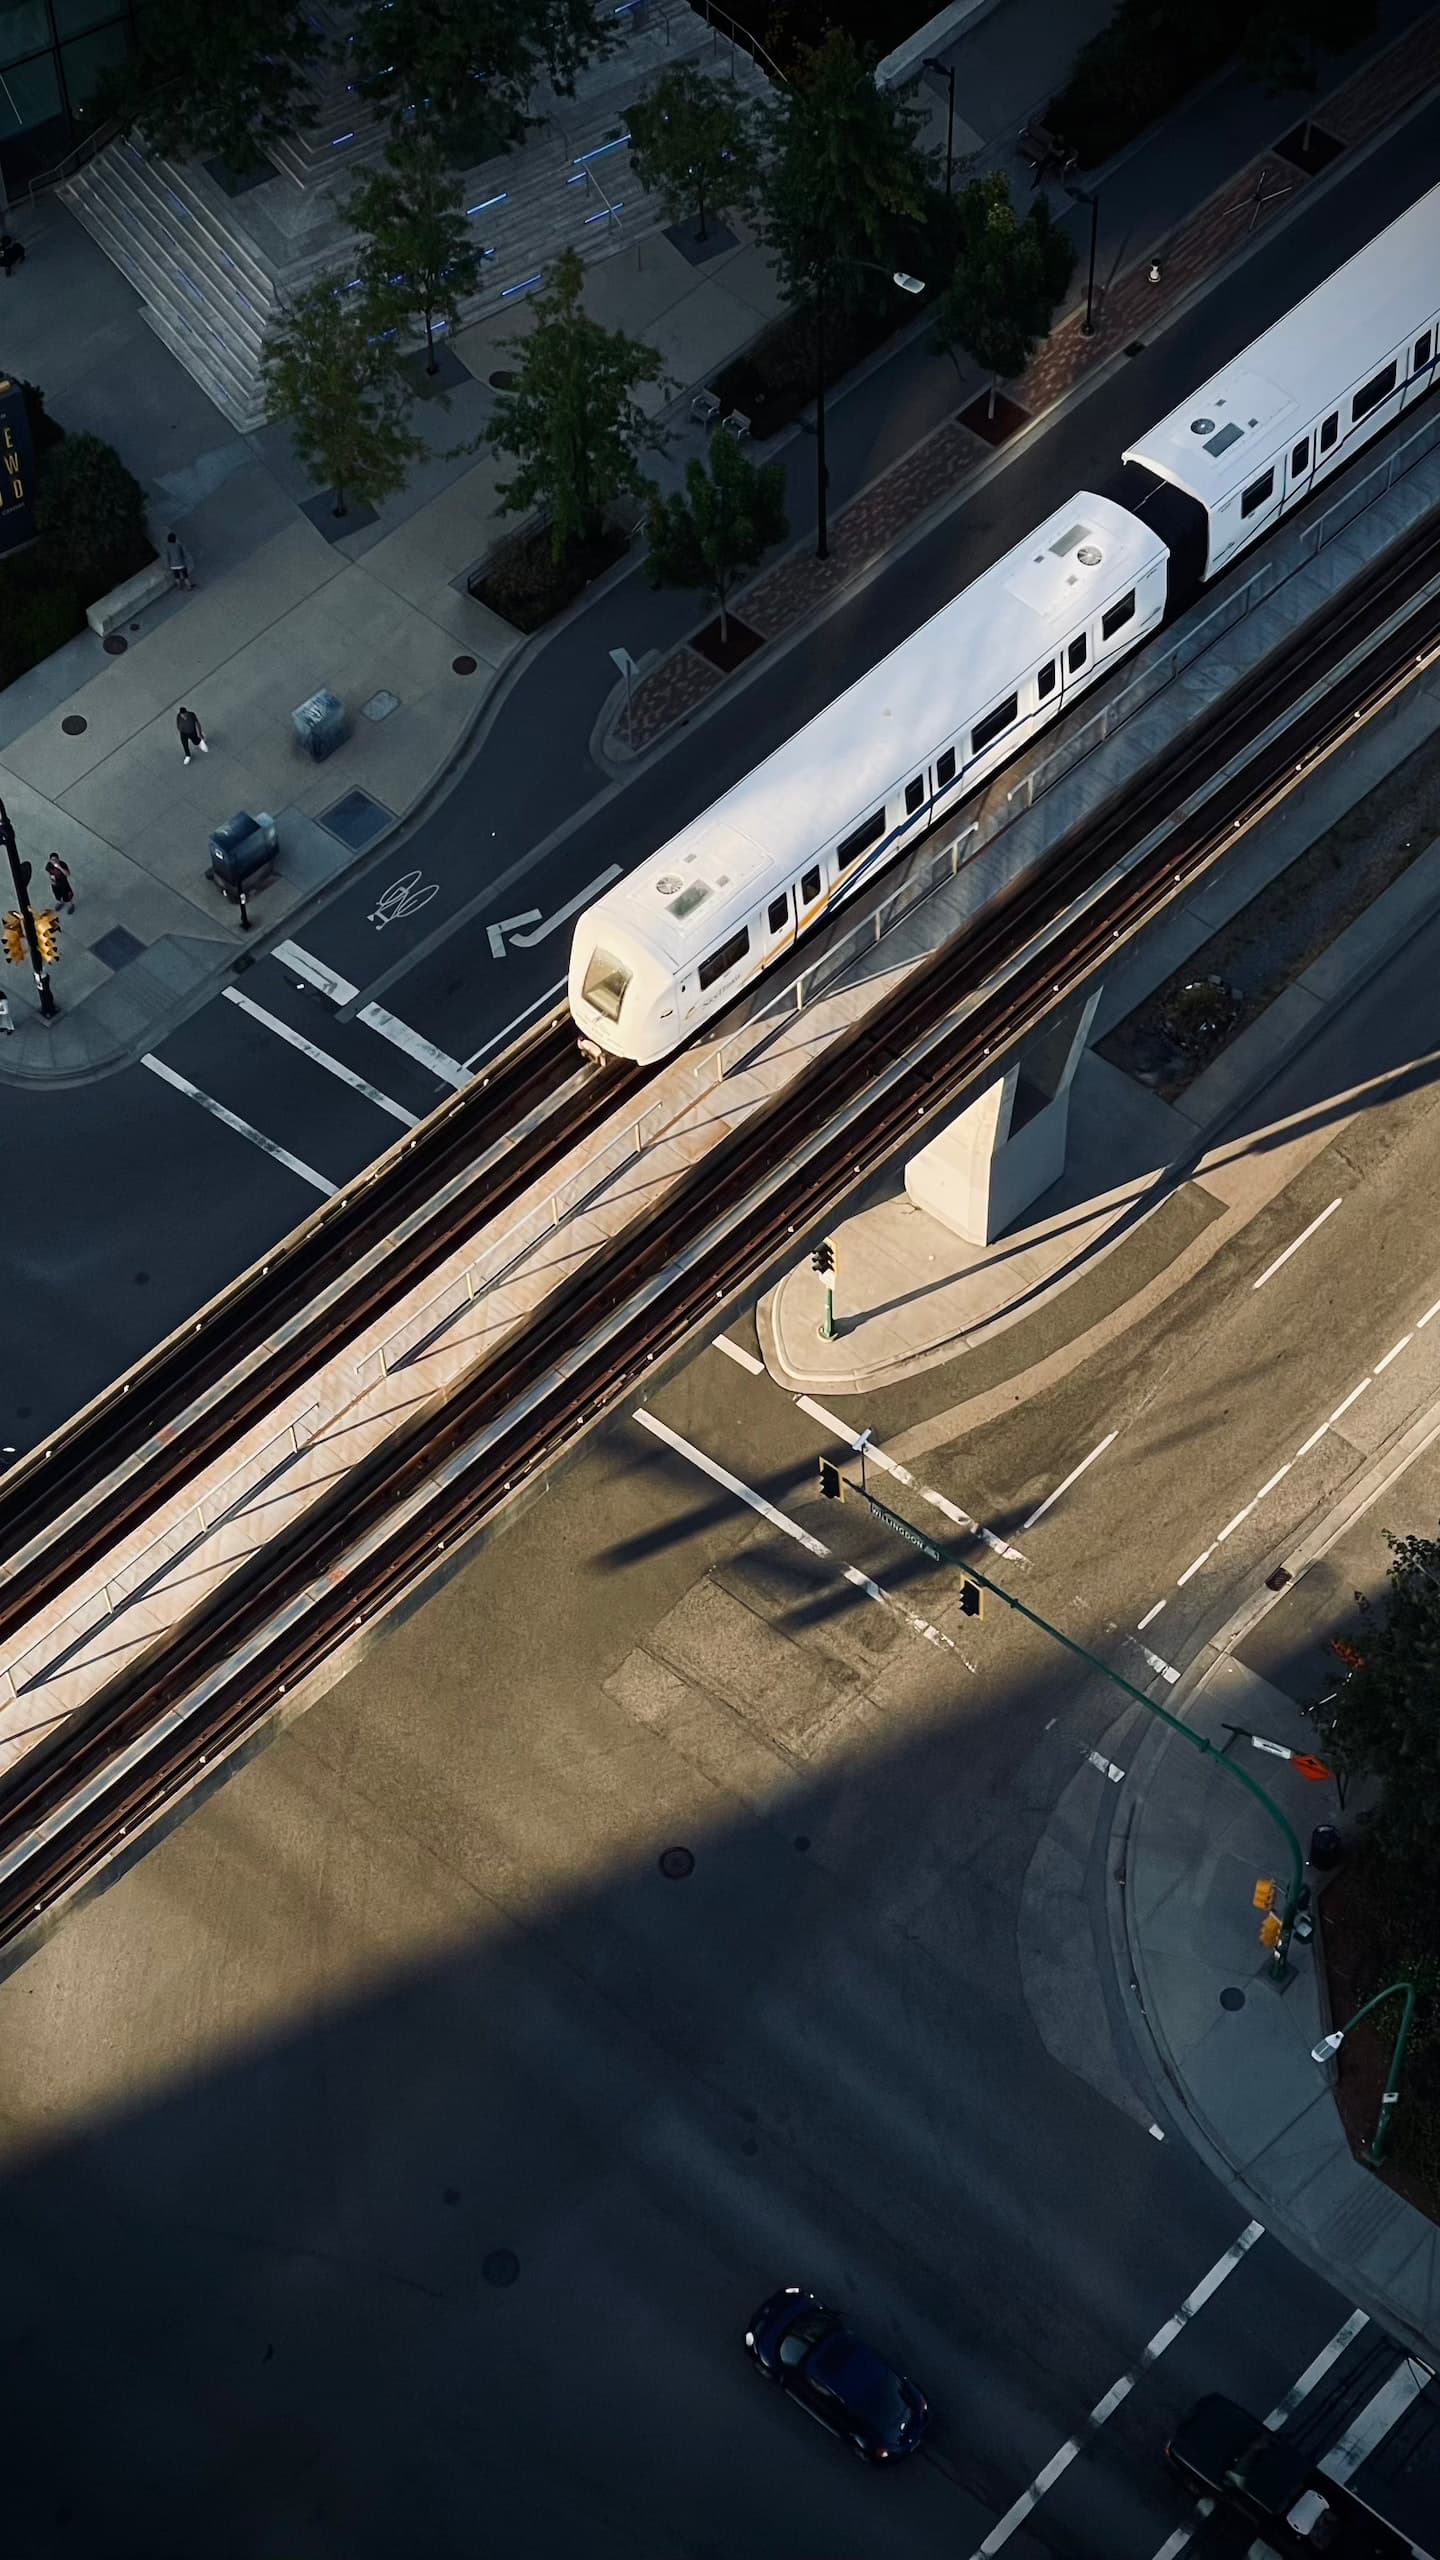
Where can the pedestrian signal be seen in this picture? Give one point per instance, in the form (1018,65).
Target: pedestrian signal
(14,933)
(1271,1930)
(823,1257)
(1264,1896)
(832,1483)
(971,1599)
(47,934)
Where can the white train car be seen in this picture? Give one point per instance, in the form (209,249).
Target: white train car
(677,941)
(1296,405)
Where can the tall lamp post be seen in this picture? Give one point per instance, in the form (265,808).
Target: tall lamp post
(1090,196)
(946,72)
(1329,2046)
(20,874)
(907,284)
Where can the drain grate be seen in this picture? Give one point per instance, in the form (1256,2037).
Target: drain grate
(357,820)
(118,947)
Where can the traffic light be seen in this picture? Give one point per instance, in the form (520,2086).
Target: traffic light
(47,934)
(823,1257)
(1264,1894)
(14,933)
(1271,1929)
(832,1483)
(972,1599)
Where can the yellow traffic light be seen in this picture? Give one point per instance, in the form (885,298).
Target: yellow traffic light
(47,933)
(14,933)
(1264,1896)
(1271,1929)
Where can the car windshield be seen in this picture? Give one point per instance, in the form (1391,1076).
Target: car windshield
(798,2341)
(606,981)
(869,2387)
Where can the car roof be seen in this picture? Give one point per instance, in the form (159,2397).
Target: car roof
(869,2386)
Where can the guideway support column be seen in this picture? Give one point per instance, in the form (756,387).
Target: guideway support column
(1008,1145)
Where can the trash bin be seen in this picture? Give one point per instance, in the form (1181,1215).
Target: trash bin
(242,852)
(1325,1846)
(321,725)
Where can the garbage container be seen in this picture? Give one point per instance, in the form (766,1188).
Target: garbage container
(1325,1846)
(242,852)
(320,724)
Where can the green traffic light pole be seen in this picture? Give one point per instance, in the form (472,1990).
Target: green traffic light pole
(1197,1741)
(1329,2046)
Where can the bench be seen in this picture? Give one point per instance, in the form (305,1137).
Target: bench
(123,603)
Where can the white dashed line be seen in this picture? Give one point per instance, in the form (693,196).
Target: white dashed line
(1353,1398)
(1164,2337)
(792,1529)
(1106,1767)
(1393,1353)
(321,1057)
(1271,1481)
(1194,1568)
(1282,1258)
(1180,2540)
(1316,2371)
(1375,2420)
(743,1359)
(1150,1613)
(1313,1442)
(1232,1525)
(889,1466)
(1155,2133)
(242,1128)
(318,973)
(1158,1663)
(1073,1477)
(1429,1312)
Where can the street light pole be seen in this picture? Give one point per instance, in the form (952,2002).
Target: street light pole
(1329,2046)
(822,476)
(20,874)
(1088,323)
(947,74)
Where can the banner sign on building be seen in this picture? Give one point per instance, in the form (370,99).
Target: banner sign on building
(17,470)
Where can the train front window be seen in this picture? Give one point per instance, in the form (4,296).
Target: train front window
(605,984)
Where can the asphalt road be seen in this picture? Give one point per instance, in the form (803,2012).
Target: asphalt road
(94,1252)
(410,1992)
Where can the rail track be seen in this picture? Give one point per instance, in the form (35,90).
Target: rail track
(142,1742)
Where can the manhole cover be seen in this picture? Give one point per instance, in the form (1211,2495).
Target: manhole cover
(114,644)
(1230,1998)
(463,666)
(73,725)
(675,1863)
(500,2266)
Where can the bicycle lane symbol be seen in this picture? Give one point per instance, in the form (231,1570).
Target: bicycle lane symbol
(404,897)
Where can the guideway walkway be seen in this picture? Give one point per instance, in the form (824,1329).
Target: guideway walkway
(89,761)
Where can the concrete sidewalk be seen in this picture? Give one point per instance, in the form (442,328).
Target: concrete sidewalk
(1235,2047)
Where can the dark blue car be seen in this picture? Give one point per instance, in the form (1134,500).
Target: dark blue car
(811,2354)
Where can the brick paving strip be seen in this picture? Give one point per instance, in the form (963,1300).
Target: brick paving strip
(939,467)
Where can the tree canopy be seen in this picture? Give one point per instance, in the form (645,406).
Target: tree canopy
(468,67)
(711,534)
(338,387)
(1008,277)
(419,256)
(1384,1722)
(216,82)
(572,420)
(845,177)
(692,141)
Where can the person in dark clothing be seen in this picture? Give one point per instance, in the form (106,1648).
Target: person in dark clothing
(12,253)
(58,875)
(178,559)
(192,736)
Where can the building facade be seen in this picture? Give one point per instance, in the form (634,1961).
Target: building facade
(53,54)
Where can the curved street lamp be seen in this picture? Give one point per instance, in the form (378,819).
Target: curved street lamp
(1326,2050)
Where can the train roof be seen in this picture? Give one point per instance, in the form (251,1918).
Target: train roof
(867,743)
(1212,443)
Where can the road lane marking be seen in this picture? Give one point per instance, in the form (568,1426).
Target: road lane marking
(1352,1398)
(1375,2420)
(1313,1442)
(1106,1767)
(1158,1664)
(242,1128)
(1429,1312)
(1271,1481)
(318,973)
(551,924)
(321,1057)
(1150,1613)
(1164,2337)
(1232,1525)
(792,1529)
(516,1023)
(1180,2540)
(1316,2371)
(1282,1258)
(1393,1353)
(1072,1478)
(1194,1568)
(891,1466)
(742,1358)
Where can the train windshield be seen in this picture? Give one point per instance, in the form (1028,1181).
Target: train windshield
(606,981)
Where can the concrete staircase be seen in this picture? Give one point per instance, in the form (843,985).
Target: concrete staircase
(212,268)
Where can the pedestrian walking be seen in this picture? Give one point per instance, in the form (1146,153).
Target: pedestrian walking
(178,559)
(12,253)
(192,736)
(6,1025)
(62,886)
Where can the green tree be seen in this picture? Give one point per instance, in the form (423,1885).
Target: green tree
(713,533)
(1283,39)
(419,257)
(845,177)
(693,142)
(211,81)
(572,420)
(1007,281)
(339,388)
(1384,1723)
(470,65)
(93,512)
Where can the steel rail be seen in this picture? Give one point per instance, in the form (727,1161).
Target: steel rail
(741,1211)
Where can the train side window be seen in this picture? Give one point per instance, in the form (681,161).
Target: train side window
(944,768)
(994,725)
(1299,458)
(1371,393)
(1045,682)
(914,795)
(1329,431)
(1258,491)
(860,839)
(721,962)
(1117,617)
(777,914)
(1077,653)
(810,887)
(1420,352)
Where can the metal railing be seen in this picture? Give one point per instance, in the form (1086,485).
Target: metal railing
(75,158)
(724,28)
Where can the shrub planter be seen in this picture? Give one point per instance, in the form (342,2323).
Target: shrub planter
(527,586)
